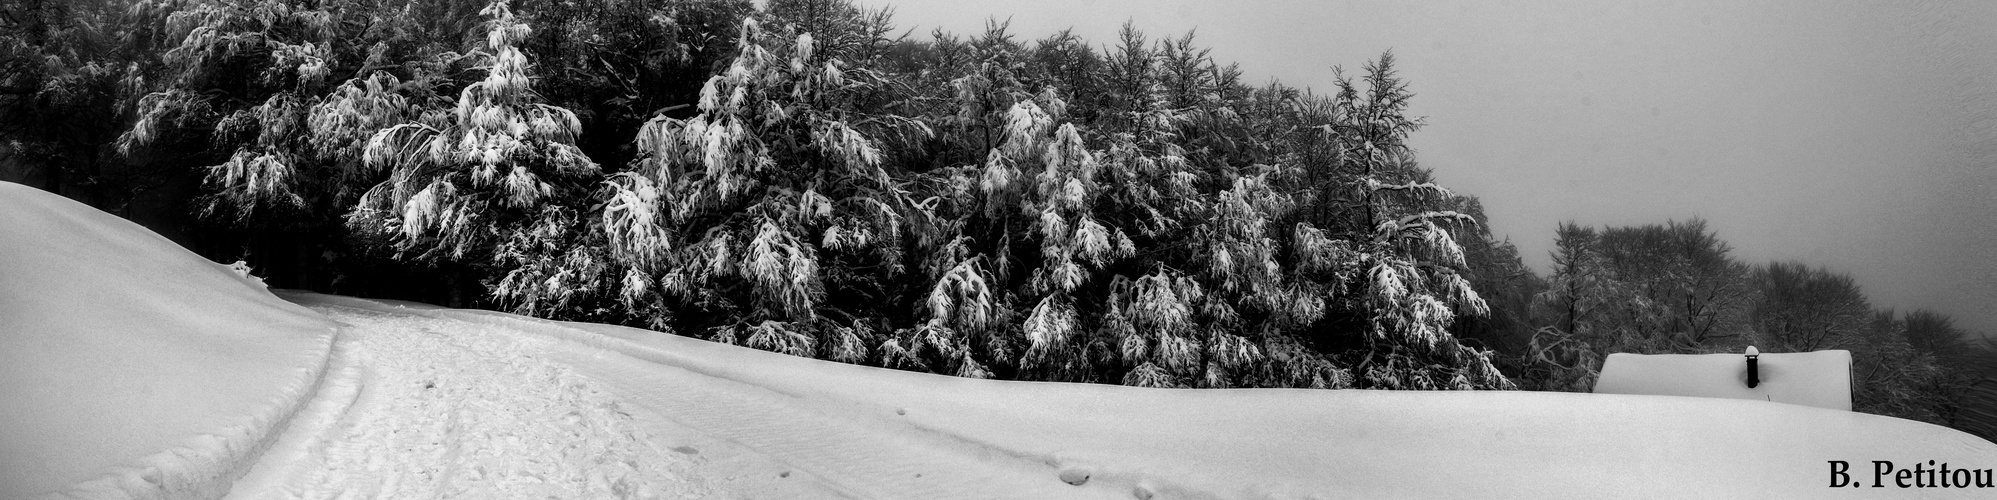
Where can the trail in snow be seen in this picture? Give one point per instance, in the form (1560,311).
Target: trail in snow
(433,408)
(431,403)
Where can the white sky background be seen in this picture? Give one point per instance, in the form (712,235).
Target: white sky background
(1858,136)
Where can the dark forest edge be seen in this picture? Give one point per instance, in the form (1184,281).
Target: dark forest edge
(803,178)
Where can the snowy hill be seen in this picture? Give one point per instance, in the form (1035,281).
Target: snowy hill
(129,365)
(134,369)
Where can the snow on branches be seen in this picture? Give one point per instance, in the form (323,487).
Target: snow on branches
(632,221)
(1412,286)
(977,207)
(497,151)
(779,184)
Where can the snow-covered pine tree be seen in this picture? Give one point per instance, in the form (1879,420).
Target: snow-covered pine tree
(491,178)
(1413,286)
(284,49)
(1123,263)
(778,186)
(1038,191)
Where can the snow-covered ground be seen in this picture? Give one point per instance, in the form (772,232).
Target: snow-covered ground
(134,369)
(131,365)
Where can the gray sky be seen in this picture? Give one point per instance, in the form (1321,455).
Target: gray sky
(1858,136)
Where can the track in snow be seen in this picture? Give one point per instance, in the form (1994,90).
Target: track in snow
(422,402)
(425,407)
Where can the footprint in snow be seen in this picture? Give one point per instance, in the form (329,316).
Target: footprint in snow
(1075,475)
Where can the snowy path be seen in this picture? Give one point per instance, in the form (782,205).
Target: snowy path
(433,408)
(429,403)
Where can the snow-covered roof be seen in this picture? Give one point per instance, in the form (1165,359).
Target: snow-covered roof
(1821,379)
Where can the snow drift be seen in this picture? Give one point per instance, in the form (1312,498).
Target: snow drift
(133,368)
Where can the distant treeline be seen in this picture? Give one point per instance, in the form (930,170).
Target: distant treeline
(1674,288)
(804,178)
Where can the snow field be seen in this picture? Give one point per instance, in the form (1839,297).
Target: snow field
(1145,443)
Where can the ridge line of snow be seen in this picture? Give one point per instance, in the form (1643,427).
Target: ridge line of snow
(304,435)
(135,367)
(206,465)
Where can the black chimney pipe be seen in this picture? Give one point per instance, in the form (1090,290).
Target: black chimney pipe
(1753,372)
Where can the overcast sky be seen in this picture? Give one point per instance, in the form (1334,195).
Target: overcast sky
(1858,136)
